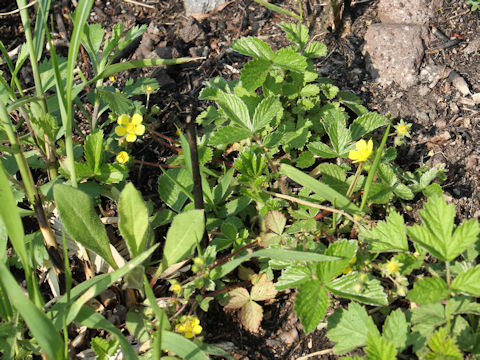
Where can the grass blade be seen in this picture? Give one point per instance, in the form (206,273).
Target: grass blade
(38,323)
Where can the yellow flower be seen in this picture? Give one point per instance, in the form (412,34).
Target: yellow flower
(189,326)
(403,129)
(122,157)
(148,89)
(176,288)
(111,78)
(130,128)
(363,152)
(392,267)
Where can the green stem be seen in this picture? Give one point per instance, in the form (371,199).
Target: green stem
(355,179)
(25,173)
(447,303)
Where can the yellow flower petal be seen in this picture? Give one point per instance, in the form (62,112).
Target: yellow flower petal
(139,129)
(122,157)
(363,152)
(123,120)
(120,130)
(131,137)
(137,119)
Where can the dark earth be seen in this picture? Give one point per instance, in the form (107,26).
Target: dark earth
(445,122)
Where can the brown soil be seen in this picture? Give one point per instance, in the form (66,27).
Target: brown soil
(444,121)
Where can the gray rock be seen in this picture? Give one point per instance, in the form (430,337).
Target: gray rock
(200,6)
(404,12)
(191,31)
(393,52)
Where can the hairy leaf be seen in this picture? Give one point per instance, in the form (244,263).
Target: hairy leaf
(378,348)
(252,315)
(389,235)
(468,282)
(268,109)
(311,304)
(428,290)
(254,73)
(289,59)
(349,328)
(396,329)
(352,286)
(315,49)
(254,47)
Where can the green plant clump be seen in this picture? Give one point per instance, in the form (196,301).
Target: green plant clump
(290,183)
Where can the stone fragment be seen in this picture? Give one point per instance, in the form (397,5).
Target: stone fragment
(393,52)
(404,11)
(200,6)
(191,31)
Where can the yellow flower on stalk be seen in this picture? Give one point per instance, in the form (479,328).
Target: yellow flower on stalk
(403,129)
(111,78)
(189,326)
(130,128)
(176,288)
(363,152)
(392,267)
(148,89)
(122,157)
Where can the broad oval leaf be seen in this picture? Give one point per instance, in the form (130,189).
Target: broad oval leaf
(184,234)
(133,222)
(82,222)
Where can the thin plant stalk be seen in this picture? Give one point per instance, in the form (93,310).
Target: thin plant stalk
(30,189)
(355,180)
(50,155)
(373,170)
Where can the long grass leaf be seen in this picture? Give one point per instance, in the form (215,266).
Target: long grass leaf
(41,327)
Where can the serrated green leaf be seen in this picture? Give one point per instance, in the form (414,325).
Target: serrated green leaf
(93,148)
(403,191)
(295,136)
(366,124)
(322,150)
(235,109)
(345,249)
(265,112)
(389,235)
(254,47)
(183,235)
(315,49)
(92,39)
(349,328)
(254,73)
(352,286)
(275,221)
(116,101)
(292,277)
(305,159)
(133,220)
(311,304)
(435,234)
(296,33)
(289,59)
(468,282)
(353,102)
(82,222)
(228,135)
(427,317)
(328,89)
(319,188)
(334,122)
(396,329)
(428,290)
(442,346)
(310,90)
(378,348)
